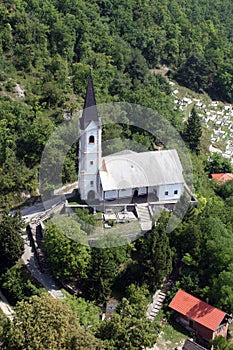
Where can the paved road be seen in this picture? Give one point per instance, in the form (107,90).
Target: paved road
(45,279)
(4,305)
(29,213)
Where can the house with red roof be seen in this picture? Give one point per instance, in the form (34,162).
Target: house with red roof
(222,177)
(195,315)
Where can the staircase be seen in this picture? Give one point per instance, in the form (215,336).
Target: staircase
(143,213)
(156,304)
(160,295)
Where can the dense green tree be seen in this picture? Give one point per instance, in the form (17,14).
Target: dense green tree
(155,254)
(87,313)
(129,328)
(11,242)
(225,190)
(4,321)
(221,343)
(67,253)
(216,163)
(101,274)
(222,291)
(44,322)
(192,132)
(195,72)
(17,284)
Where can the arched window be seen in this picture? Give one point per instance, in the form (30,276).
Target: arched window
(92,139)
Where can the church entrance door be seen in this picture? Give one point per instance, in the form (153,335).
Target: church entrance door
(91,195)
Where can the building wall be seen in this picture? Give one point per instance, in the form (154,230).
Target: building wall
(114,194)
(156,192)
(168,192)
(89,160)
(110,194)
(125,193)
(204,332)
(222,330)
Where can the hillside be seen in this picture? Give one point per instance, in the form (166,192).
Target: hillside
(170,56)
(47,49)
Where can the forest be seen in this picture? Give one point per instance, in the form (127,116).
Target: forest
(47,49)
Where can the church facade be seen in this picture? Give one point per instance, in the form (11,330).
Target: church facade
(156,176)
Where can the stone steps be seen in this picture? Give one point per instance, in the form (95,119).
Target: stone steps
(156,305)
(144,216)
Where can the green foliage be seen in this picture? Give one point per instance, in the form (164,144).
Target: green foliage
(225,190)
(87,313)
(11,243)
(87,221)
(155,254)
(53,45)
(103,270)
(220,343)
(195,72)
(44,322)
(216,163)
(129,328)
(66,256)
(3,324)
(17,284)
(192,132)
(48,47)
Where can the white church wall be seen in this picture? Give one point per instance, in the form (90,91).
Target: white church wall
(91,163)
(110,194)
(125,193)
(89,160)
(89,184)
(167,192)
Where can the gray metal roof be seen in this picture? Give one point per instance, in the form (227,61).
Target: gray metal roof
(190,345)
(130,169)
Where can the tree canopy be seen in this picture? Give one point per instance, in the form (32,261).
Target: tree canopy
(11,242)
(44,322)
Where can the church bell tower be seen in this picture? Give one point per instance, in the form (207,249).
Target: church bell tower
(90,128)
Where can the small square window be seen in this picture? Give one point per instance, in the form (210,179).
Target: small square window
(166,193)
(91,162)
(176,192)
(92,183)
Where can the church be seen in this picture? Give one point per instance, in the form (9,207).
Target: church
(155,176)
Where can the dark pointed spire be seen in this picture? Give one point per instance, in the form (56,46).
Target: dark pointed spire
(89,114)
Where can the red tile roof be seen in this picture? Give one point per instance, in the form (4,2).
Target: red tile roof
(222,177)
(197,310)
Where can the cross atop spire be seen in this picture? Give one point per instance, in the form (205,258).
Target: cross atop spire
(89,114)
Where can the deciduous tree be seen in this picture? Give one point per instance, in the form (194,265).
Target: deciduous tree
(11,242)
(46,323)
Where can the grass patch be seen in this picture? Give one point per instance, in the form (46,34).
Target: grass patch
(171,335)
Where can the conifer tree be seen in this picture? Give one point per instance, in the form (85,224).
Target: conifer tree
(192,133)
(156,254)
